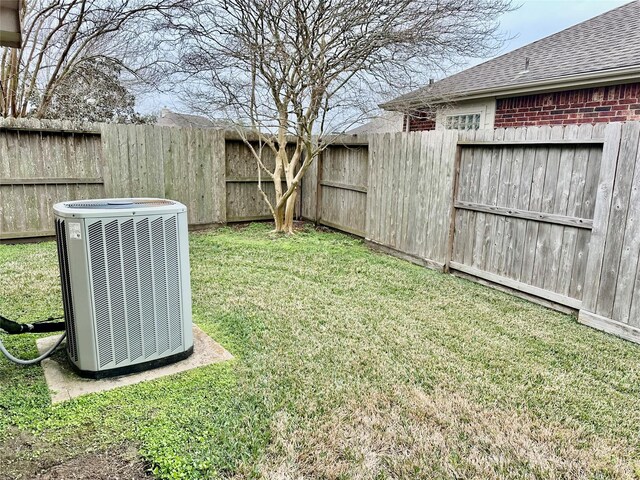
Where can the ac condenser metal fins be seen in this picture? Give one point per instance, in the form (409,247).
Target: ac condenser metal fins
(125,279)
(131,289)
(173,282)
(100,294)
(146,293)
(116,291)
(160,284)
(67,300)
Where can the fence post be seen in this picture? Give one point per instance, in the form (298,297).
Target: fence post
(602,211)
(319,187)
(452,216)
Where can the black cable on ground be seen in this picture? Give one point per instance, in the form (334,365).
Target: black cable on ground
(42,326)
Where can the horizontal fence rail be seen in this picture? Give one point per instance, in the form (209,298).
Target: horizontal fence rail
(526,214)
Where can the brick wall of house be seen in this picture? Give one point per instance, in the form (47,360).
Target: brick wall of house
(425,120)
(616,103)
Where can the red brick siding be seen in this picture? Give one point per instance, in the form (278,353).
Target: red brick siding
(425,120)
(616,103)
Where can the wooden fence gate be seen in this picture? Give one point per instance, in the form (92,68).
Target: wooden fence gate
(524,206)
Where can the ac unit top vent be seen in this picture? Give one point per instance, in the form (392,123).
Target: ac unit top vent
(119,203)
(117,207)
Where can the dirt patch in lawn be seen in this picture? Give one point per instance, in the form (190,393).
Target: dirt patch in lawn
(98,466)
(26,457)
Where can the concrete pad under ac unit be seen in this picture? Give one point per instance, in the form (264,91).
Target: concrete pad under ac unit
(64,384)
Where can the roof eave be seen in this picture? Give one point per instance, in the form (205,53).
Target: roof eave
(561,83)
(11,25)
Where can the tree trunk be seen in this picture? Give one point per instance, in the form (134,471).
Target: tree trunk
(278,213)
(278,219)
(290,210)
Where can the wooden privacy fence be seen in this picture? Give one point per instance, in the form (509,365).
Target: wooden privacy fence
(183,164)
(244,202)
(548,213)
(44,162)
(63,163)
(411,180)
(612,287)
(341,187)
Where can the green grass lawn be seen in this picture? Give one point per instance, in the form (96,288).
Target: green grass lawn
(348,364)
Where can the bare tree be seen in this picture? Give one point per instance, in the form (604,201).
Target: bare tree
(292,71)
(64,37)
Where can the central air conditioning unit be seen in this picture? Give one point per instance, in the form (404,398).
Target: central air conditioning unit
(124,266)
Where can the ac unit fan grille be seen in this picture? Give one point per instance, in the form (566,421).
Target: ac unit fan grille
(136,288)
(65,281)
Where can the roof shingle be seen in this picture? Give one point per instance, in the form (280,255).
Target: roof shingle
(607,42)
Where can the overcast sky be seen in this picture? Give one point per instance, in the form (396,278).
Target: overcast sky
(534,19)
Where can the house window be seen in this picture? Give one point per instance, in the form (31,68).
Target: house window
(463,122)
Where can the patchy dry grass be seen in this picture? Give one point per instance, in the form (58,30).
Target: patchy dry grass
(349,364)
(411,434)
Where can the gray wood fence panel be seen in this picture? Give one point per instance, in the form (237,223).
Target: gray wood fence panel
(612,302)
(244,201)
(45,162)
(519,188)
(518,204)
(40,167)
(410,185)
(411,207)
(183,164)
(617,219)
(309,192)
(344,184)
(424,162)
(583,206)
(606,179)
(626,305)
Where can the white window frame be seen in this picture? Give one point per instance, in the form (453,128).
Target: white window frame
(470,121)
(486,107)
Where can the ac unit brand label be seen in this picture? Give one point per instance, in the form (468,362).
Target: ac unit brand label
(75,232)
